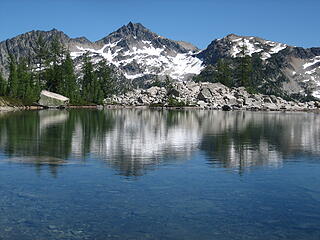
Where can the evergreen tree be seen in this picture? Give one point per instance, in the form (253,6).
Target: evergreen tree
(13,80)
(208,74)
(168,82)
(96,93)
(244,70)
(107,83)
(32,91)
(224,74)
(88,79)
(54,72)
(41,59)
(23,79)
(70,87)
(258,74)
(3,85)
(95,84)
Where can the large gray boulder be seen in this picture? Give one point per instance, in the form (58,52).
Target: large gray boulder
(205,95)
(52,100)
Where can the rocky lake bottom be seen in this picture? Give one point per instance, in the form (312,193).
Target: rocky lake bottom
(159,174)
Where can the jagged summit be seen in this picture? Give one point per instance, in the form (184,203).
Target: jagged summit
(131,31)
(145,55)
(133,28)
(142,55)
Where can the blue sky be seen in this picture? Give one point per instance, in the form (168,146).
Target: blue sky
(198,21)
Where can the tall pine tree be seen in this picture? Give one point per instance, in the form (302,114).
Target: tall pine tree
(54,71)
(107,82)
(245,67)
(224,74)
(91,90)
(41,59)
(3,85)
(13,80)
(70,87)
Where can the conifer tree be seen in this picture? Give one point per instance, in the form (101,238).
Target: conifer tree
(70,87)
(88,78)
(224,74)
(23,79)
(41,59)
(95,92)
(107,83)
(13,80)
(54,71)
(3,85)
(258,75)
(245,67)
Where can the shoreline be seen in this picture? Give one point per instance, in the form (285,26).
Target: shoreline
(115,106)
(206,109)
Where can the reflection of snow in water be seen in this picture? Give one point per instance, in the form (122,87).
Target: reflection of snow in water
(145,137)
(137,138)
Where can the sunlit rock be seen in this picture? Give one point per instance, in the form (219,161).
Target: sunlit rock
(52,100)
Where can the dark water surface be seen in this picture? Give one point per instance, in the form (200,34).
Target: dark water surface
(140,174)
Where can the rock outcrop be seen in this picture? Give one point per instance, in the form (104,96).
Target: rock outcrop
(52,100)
(207,96)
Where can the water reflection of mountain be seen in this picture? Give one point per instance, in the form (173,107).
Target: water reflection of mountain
(140,139)
(244,139)
(133,141)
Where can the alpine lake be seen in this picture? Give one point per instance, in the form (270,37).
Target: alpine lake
(159,174)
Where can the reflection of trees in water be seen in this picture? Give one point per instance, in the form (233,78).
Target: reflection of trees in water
(245,139)
(134,140)
(49,134)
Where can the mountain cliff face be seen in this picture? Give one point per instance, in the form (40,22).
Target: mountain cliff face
(296,69)
(25,45)
(231,46)
(141,55)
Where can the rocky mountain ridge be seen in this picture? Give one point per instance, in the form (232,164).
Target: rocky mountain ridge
(295,69)
(141,56)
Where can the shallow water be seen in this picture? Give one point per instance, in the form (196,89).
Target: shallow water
(140,174)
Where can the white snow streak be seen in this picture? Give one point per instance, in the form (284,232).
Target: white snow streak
(152,60)
(313,61)
(252,46)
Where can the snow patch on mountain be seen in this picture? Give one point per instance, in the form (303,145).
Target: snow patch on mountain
(243,44)
(251,45)
(146,50)
(152,60)
(311,62)
(276,47)
(105,52)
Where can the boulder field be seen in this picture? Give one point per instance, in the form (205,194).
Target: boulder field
(206,95)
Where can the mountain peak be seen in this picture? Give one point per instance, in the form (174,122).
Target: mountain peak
(131,31)
(132,28)
(134,25)
(54,30)
(232,35)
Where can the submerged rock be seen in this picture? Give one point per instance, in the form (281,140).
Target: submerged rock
(52,100)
